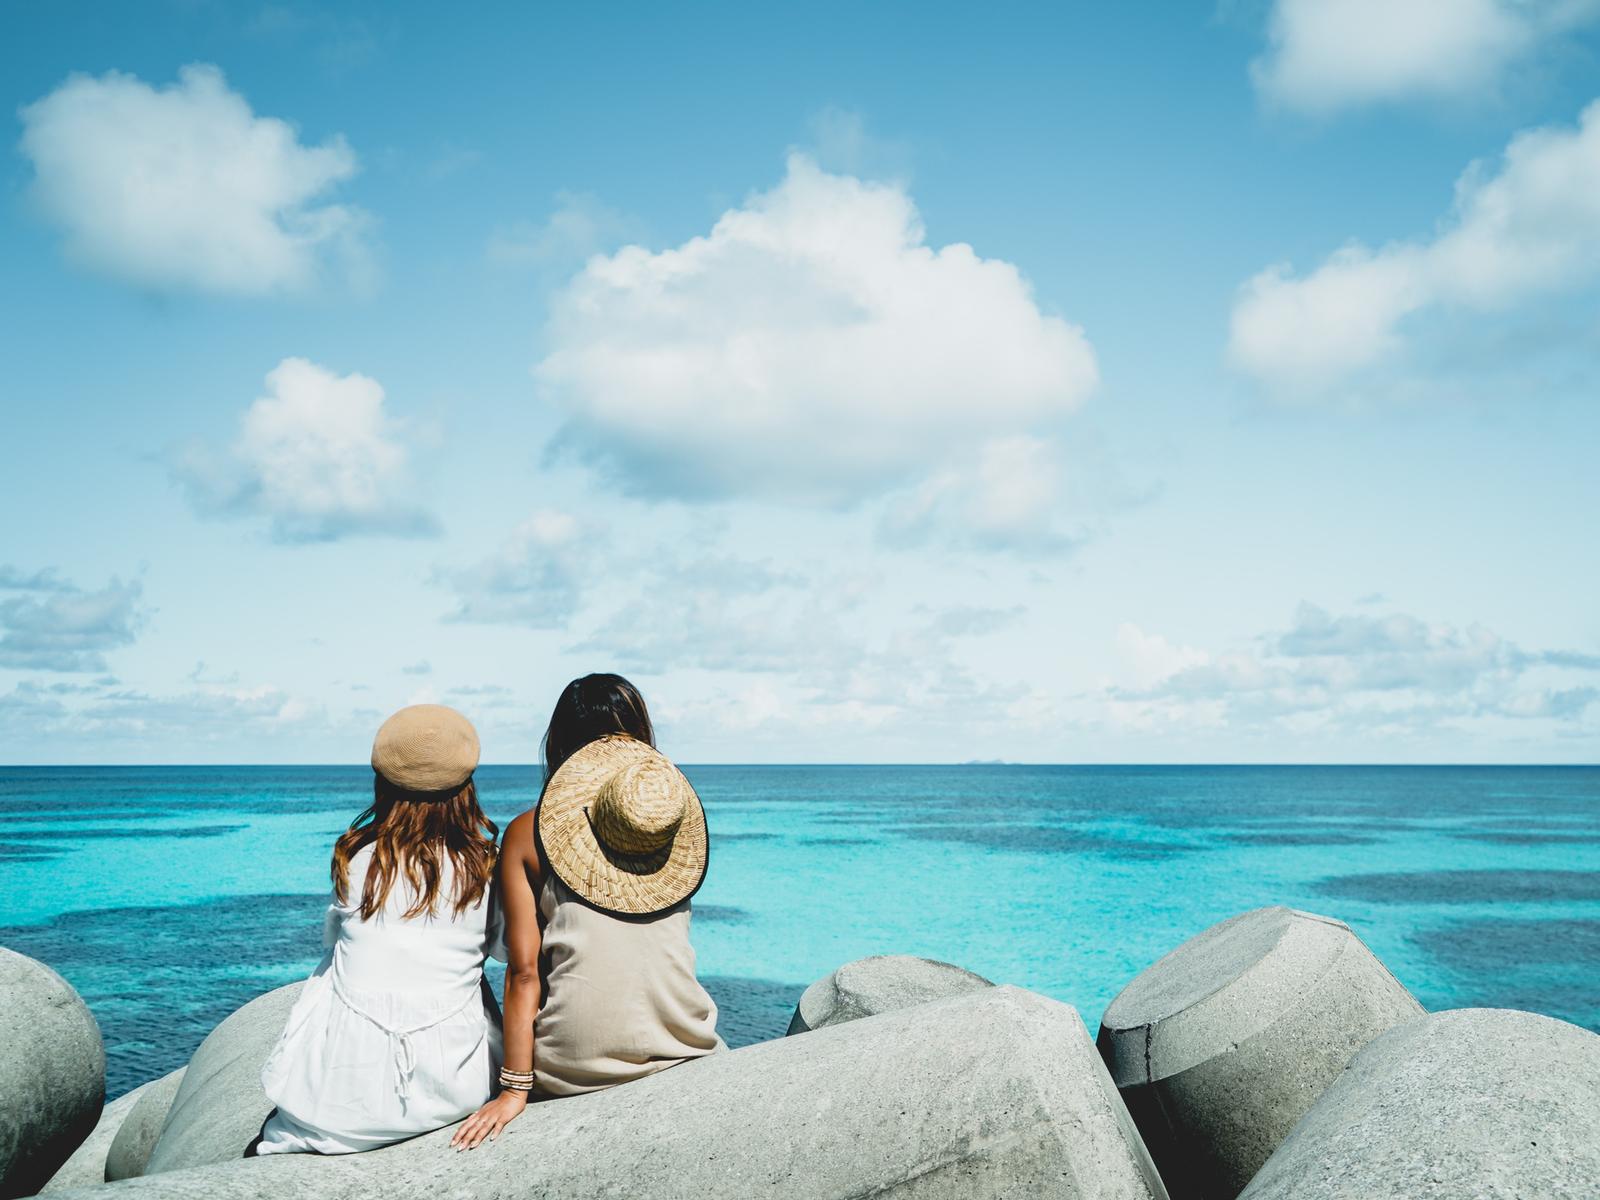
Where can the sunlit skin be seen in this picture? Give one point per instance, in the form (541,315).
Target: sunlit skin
(519,879)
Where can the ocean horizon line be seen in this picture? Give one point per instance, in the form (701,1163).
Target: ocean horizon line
(1173,764)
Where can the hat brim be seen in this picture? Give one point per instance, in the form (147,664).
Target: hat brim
(636,885)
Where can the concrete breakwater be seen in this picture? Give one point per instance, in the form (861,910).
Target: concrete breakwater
(1271,1055)
(52,1073)
(1223,1045)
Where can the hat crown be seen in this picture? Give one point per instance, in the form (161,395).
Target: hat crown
(426,748)
(639,807)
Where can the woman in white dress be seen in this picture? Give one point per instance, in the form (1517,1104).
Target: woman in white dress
(395,1033)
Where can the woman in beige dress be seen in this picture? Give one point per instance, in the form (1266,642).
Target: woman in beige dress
(595,885)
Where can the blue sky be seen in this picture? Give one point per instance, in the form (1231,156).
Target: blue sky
(871,383)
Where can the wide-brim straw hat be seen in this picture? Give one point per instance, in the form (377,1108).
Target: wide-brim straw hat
(622,827)
(426,748)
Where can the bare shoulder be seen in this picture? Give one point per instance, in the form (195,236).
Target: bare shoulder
(518,842)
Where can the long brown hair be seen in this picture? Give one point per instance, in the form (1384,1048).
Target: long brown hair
(590,708)
(406,831)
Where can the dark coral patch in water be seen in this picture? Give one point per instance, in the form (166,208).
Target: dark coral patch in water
(1502,943)
(720,913)
(136,968)
(751,1010)
(1543,966)
(1047,839)
(1465,887)
(1309,838)
(26,852)
(838,841)
(135,833)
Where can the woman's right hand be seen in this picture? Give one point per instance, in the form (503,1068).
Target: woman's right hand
(489,1120)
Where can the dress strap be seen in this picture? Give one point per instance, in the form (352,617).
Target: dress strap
(400,1046)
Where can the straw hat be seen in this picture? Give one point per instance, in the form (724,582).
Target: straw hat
(426,748)
(622,828)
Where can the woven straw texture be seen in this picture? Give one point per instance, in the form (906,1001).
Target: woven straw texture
(426,748)
(622,828)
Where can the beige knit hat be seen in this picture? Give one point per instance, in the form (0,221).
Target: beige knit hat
(622,828)
(426,748)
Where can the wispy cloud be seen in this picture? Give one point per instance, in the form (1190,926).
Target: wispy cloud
(811,348)
(317,457)
(244,719)
(580,225)
(185,187)
(48,624)
(1393,671)
(533,579)
(812,633)
(340,40)
(1006,497)
(879,690)
(1326,55)
(842,143)
(1528,229)
(16,580)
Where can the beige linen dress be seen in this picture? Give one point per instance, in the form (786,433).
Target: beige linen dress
(621,997)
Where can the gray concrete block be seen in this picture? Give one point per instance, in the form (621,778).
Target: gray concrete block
(880,984)
(997,1093)
(52,1073)
(1483,1102)
(1222,1045)
(219,1106)
(130,1147)
(88,1162)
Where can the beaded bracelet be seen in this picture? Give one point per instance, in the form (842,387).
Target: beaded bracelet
(516,1081)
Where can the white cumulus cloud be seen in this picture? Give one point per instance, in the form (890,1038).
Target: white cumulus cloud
(812,347)
(185,187)
(1528,228)
(1324,55)
(316,456)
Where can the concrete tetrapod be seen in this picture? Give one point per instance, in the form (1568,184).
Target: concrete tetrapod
(52,1073)
(1482,1102)
(994,1094)
(1222,1045)
(219,1106)
(88,1162)
(880,984)
(130,1147)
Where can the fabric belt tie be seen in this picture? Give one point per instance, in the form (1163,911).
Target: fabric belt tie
(400,1046)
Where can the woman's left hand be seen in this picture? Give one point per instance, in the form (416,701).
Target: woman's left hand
(489,1120)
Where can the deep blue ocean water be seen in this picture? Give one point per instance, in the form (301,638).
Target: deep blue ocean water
(169,896)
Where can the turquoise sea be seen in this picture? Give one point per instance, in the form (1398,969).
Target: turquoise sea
(169,896)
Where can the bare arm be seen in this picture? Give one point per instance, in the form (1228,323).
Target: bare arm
(519,884)
(519,881)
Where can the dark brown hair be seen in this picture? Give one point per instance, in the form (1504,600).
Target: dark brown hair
(590,708)
(407,831)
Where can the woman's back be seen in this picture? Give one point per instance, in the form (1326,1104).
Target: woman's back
(621,997)
(439,953)
(596,883)
(394,1034)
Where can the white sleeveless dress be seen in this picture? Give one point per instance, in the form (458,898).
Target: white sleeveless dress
(392,1036)
(621,998)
